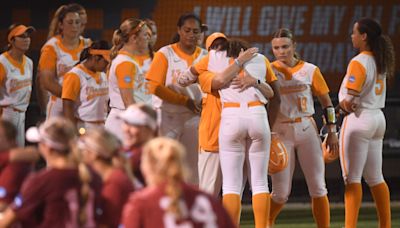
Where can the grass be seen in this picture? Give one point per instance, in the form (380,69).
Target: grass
(301,217)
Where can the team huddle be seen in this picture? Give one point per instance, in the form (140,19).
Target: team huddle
(141,138)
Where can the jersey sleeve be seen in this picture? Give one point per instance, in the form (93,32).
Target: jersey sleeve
(2,74)
(125,73)
(11,179)
(202,65)
(71,87)
(156,77)
(205,81)
(270,75)
(318,85)
(48,58)
(356,74)
(4,158)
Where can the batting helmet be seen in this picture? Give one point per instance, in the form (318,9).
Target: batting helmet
(278,159)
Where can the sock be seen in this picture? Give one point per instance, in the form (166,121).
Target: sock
(352,203)
(321,211)
(232,204)
(274,211)
(381,196)
(261,205)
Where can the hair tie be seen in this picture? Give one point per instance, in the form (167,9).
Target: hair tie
(137,28)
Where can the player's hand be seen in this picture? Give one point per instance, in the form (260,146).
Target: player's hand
(192,106)
(332,142)
(245,56)
(242,83)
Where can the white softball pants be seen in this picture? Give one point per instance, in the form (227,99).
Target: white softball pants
(361,142)
(244,130)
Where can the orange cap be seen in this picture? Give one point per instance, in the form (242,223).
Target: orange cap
(212,37)
(19,30)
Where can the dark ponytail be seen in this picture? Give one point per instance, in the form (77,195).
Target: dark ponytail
(381,46)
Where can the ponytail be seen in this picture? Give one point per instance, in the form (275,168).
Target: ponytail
(384,55)
(117,42)
(174,190)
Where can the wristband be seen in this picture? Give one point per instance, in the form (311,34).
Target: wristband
(238,63)
(329,114)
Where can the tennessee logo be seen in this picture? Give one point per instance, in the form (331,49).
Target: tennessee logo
(127,79)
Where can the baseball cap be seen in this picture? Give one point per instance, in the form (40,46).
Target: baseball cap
(210,39)
(19,30)
(135,116)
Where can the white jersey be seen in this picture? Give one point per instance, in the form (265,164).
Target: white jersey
(256,67)
(16,89)
(92,101)
(365,78)
(140,91)
(177,66)
(296,89)
(114,92)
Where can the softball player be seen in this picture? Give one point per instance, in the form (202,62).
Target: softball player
(169,201)
(362,95)
(85,87)
(177,107)
(299,81)
(59,55)
(60,195)
(139,126)
(132,36)
(16,78)
(98,148)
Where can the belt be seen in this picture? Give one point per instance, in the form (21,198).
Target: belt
(296,120)
(14,109)
(92,122)
(237,105)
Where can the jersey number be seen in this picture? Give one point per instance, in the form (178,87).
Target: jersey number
(379,86)
(302,104)
(201,212)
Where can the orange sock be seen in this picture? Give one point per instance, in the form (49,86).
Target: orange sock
(232,204)
(274,211)
(261,204)
(381,196)
(352,203)
(321,211)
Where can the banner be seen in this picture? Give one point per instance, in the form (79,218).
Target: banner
(322,29)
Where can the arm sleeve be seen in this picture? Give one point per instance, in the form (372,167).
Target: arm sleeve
(205,81)
(202,65)
(318,86)
(356,74)
(71,87)
(125,73)
(48,58)
(270,75)
(2,74)
(156,77)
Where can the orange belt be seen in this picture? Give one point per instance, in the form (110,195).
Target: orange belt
(295,120)
(237,105)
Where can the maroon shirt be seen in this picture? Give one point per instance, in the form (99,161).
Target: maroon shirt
(11,178)
(115,193)
(147,208)
(50,198)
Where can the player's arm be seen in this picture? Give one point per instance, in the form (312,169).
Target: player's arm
(274,104)
(48,74)
(156,77)
(26,154)
(356,75)
(321,90)
(191,75)
(8,217)
(41,94)
(125,73)
(70,93)
(2,81)
(224,77)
